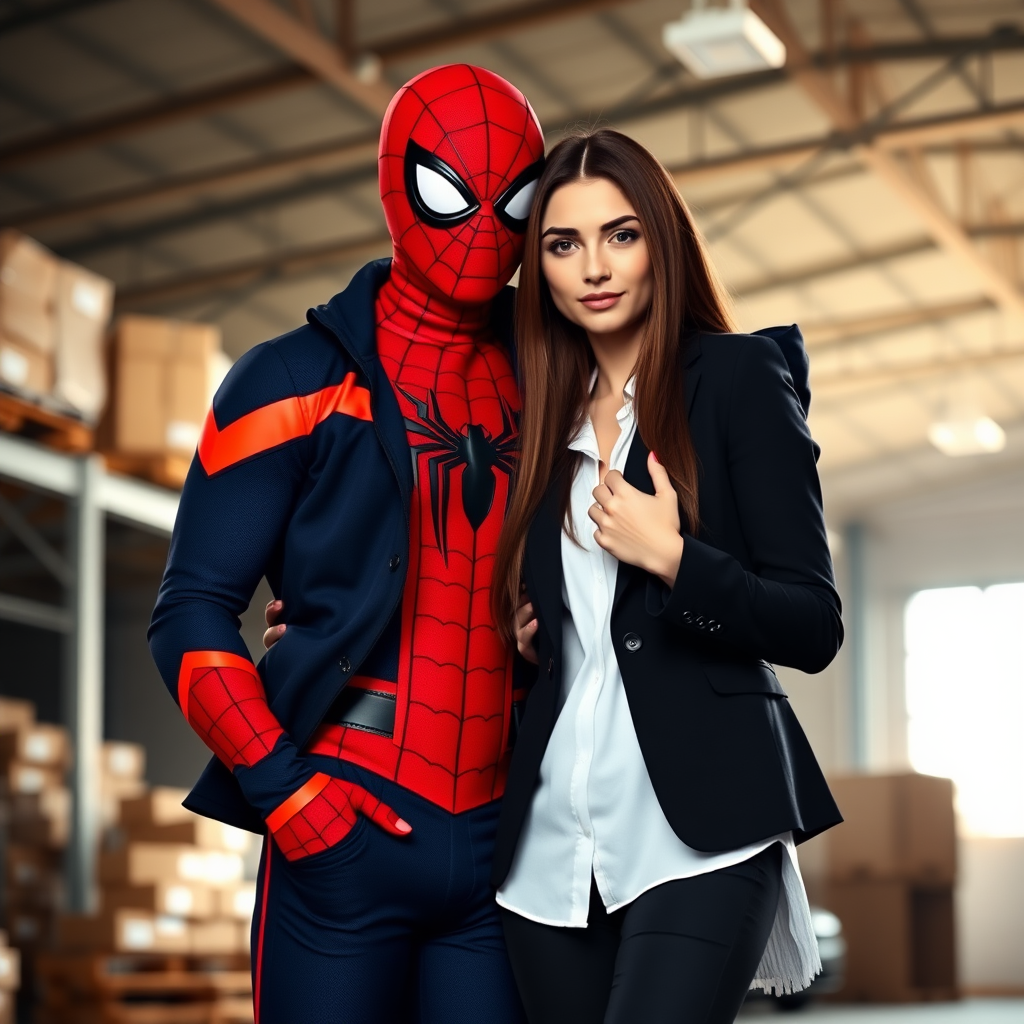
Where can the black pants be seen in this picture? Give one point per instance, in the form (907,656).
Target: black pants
(684,952)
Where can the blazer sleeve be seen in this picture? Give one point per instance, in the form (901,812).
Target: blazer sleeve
(784,608)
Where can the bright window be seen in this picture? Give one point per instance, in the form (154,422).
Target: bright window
(965,699)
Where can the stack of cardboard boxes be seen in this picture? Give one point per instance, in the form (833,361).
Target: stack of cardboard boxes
(53,321)
(163,377)
(10,979)
(170,882)
(37,805)
(891,869)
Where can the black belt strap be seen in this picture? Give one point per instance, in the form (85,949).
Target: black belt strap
(373,711)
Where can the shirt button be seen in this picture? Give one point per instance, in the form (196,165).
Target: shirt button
(394,562)
(345,665)
(700,622)
(632,642)
(687,617)
(713,626)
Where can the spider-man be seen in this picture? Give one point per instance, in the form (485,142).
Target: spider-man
(362,464)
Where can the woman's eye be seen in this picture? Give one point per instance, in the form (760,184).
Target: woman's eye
(561,246)
(624,236)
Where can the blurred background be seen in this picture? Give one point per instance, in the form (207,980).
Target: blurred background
(181,179)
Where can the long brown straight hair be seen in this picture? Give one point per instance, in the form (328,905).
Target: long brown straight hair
(555,358)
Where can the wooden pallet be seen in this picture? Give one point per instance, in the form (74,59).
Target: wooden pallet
(163,470)
(99,988)
(37,422)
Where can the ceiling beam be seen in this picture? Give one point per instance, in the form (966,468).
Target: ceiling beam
(202,282)
(42,15)
(947,233)
(917,370)
(310,49)
(483,28)
(837,335)
(333,155)
(143,118)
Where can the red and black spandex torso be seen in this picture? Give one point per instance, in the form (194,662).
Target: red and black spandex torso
(453,691)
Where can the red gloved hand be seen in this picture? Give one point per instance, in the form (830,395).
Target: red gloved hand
(327,818)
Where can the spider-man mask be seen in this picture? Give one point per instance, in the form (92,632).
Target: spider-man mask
(460,154)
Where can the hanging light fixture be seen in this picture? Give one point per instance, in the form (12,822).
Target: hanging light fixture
(963,429)
(712,42)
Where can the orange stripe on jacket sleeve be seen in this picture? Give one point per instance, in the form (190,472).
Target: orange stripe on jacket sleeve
(208,659)
(274,424)
(287,810)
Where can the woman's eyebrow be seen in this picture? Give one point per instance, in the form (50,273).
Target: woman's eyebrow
(561,231)
(619,221)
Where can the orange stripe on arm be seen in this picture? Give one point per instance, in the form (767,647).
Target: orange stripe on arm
(192,660)
(302,796)
(277,423)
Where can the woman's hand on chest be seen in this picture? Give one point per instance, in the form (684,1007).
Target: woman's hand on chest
(637,528)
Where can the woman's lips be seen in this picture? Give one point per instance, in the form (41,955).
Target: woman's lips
(601,300)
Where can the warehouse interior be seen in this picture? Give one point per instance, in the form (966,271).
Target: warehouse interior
(213,162)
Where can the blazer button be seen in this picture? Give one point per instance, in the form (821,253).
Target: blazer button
(700,622)
(632,642)
(345,665)
(687,617)
(551,666)
(394,562)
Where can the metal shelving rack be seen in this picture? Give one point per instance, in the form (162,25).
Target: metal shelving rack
(93,494)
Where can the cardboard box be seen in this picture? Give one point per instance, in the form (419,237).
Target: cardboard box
(124,930)
(10,969)
(84,301)
(149,863)
(161,805)
(900,940)
(30,778)
(40,744)
(24,368)
(43,818)
(191,900)
(28,280)
(113,791)
(16,714)
(123,760)
(237,901)
(163,375)
(196,831)
(7,1007)
(898,827)
(212,937)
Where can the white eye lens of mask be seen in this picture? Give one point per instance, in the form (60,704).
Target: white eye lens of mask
(438,194)
(518,207)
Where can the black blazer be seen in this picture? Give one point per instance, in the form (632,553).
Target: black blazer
(726,756)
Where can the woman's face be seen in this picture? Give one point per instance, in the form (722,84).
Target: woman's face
(594,257)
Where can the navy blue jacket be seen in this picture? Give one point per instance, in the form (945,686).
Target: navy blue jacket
(321,516)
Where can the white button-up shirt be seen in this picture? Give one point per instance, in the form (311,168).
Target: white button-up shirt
(595,812)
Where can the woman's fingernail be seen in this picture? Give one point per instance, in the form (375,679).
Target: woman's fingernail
(403,826)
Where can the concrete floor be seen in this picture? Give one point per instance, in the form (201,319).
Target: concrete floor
(968,1011)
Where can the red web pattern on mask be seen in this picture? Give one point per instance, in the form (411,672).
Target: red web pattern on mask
(487,133)
(227,707)
(455,680)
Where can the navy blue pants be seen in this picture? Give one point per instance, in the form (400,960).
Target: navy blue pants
(381,929)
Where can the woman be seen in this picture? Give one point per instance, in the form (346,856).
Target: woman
(667,527)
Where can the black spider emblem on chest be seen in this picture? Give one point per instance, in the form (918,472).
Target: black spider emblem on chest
(473,448)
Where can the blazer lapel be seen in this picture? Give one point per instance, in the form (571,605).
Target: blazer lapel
(636,473)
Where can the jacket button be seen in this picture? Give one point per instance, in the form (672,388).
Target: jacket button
(687,617)
(700,622)
(345,665)
(551,666)
(632,642)
(714,625)
(394,562)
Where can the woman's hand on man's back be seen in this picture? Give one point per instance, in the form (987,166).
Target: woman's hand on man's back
(526,628)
